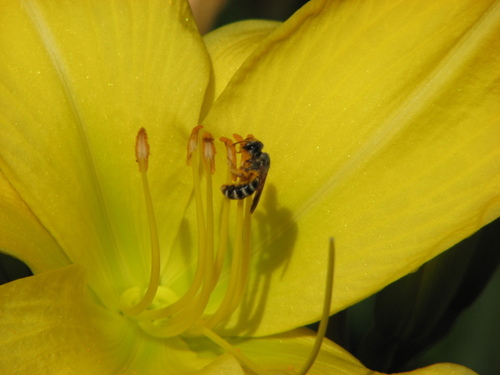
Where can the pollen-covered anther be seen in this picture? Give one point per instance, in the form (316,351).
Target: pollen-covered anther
(209,150)
(142,150)
(231,155)
(193,143)
(245,155)
(238,138)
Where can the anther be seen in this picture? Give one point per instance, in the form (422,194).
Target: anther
(193,143)
(231,157)
(142,150)
(209,151)
(245,155)
(238,138)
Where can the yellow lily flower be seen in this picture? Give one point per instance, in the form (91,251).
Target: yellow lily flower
(381,121)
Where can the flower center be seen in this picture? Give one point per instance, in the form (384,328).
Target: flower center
(159,311)
(162,313)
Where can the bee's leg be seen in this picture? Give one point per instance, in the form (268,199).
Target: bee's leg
(237,171)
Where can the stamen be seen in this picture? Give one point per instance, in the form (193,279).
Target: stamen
(193,143)
(142,150)
(240,264)
(245,155)
(142,155)
(223,239)
(323,324)
(189,295)
(209,162)
(238,138)
(209,152)
(226,307)
(245,256)
(224,228)
(231,158)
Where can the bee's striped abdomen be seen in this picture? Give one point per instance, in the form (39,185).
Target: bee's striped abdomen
(240,191)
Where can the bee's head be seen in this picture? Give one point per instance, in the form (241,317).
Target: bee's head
(253,147)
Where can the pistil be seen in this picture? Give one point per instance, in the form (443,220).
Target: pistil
(325,314)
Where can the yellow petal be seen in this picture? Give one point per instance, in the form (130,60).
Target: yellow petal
(25,235)
(229,46)
(223,365)
(49,325)
(78,80)
(381,120)
(46,326)
(286,353)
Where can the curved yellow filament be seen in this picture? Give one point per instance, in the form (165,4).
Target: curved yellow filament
(323,324)
(142,154)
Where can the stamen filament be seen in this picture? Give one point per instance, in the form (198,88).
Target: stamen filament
(245,257)
(202,234)
(190,294)
(183,320)
(323,324)
(232,350)
(142,154)
(209,162)
(223,234)
(226,306)
(224,228)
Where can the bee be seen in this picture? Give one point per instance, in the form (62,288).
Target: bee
(252,173)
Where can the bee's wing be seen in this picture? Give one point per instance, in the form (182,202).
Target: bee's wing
(265,164)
